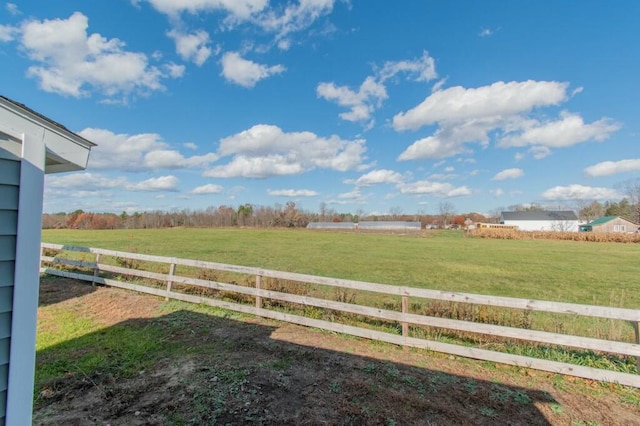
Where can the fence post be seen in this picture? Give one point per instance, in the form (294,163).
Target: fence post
(96,270)
(258,287)
(405,310)
(172,272)
(636,330)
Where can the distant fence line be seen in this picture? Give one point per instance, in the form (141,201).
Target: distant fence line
(382,225)
(50,265)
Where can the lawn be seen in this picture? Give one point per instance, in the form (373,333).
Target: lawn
(568,271)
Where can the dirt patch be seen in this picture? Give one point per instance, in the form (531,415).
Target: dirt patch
(255,371)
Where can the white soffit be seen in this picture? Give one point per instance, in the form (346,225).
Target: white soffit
(65,150)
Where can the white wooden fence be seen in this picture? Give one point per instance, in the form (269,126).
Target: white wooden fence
(52,264)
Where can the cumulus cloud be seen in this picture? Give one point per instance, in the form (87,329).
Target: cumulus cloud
(608,168)
(8,33)
(244,72)
(207,189)
(376,177)
(96,182)
(580,192)
(459,104)
(500,110)
(85,181)
(372,92)
(71,62)
(239,9)
(508,174)
(162,183)
(440,189)
(293,192)
(192,47)
(144,151)
(569,130)
(265,150)
(361,103)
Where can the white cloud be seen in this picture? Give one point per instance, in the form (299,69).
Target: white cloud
(192,47)
(580,192)
(169,159)
(239,9)
(567,131)
(144,151)
(361,103)
(439,189)
(497,192)
(244,72)
(485,32)
(294,18)
(265,150)
(174,70)
(293,193)
(500,111)
(12,8)
(351,195)
(85,181)
(508,174)
(459,104)
(539,152)
(419,69)
(162,183)
(376,177)
(190,145)
(372,92)
(207,189)
(71,62)
(8,33)
(608,168)
(96,182)
(432,147)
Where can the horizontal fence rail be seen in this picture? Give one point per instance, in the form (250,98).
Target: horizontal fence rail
(52,264)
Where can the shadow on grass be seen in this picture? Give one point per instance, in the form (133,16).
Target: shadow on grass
(58,291)
(207,367)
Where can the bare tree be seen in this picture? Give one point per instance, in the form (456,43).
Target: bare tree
(446,210)
(632,191)
(588,211)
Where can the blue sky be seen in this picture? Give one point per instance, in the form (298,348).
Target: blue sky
(366,106)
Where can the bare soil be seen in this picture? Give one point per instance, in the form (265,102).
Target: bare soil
(270,373)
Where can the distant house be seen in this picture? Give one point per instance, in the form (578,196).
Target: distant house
(565,221)
(609,224)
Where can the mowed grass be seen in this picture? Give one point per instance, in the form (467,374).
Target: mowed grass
(589,273)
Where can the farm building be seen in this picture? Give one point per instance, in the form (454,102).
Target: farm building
(565,221)
(390,225)
(30,146)
(381,225)
(331,225)
(609,224)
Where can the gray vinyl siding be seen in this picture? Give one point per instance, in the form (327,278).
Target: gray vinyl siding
(9,190)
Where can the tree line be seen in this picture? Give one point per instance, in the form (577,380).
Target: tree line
(291,216)
(246,215)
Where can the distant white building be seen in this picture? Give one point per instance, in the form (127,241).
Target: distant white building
(563,221)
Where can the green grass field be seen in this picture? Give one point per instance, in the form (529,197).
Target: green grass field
(589,273)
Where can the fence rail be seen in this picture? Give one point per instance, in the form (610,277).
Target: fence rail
(51,264)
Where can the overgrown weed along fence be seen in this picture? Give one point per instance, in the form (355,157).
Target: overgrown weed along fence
(275,294)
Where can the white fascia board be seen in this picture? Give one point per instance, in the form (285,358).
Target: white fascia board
(65,150)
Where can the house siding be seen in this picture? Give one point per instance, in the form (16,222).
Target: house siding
(9,192)
(616,225)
